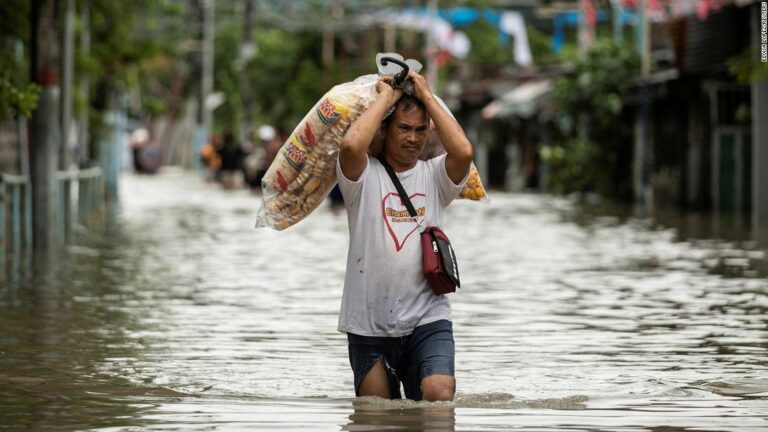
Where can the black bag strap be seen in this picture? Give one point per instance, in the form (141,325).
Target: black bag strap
(399,187)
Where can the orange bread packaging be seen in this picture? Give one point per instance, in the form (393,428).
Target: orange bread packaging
(304,170)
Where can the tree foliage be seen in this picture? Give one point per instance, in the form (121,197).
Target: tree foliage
(596,83)
(126,41)
(135,50)
(592,97)
(132,42)
(573,166)
(286,76)
(18,96)
(746,67)
(487,45)
(16,99)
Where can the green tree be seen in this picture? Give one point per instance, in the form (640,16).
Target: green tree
(746,68)
(226,78)
(487,46)
(592,96)
(18,96)
(286,76)
(137,48)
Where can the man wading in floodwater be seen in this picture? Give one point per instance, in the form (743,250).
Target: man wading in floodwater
(399,330)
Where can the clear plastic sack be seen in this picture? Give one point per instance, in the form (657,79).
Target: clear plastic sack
(474,189)
(304,170)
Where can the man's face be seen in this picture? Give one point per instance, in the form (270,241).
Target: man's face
(406,135)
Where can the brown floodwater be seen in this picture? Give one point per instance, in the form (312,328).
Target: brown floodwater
(570,317)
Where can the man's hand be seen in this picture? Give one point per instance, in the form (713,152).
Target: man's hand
(457,146)
(385,89)
(353,156)
(420,88)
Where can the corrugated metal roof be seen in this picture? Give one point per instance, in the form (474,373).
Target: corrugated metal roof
(711,42)
(524,101)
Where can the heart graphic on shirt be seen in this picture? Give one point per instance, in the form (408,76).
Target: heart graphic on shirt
(397,219)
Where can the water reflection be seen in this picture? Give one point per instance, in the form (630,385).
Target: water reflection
(56,334)
(729,241)
(372,414)
(570,317)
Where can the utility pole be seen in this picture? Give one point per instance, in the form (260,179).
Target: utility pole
(432,8)
(759,134)
(85,83)
(205,8)
(643,151)
(618,25)
(44,124)
(586,26)
(329,40)
(247,51)
(68,54)
(644,37)
(390,38)
(23,132)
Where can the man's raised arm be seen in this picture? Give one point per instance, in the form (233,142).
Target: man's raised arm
(354,147)
(458,149)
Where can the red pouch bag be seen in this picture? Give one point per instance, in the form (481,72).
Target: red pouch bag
(439,261)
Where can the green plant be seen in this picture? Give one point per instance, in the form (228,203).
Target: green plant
(597,82)
(746,68)
(487,47)
(286,76)
(592,97)
(17,100)
(572,166)
(541,46)
(135,49)
(18,96)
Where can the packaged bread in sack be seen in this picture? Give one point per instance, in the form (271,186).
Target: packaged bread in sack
(474,189)
(304,171)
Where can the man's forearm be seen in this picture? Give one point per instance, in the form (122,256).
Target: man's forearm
(451,134)
(361,132)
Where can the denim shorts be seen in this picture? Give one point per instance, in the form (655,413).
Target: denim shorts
(429,350)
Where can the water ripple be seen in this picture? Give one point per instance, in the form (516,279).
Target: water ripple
(184,317)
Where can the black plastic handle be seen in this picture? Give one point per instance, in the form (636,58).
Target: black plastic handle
(399,78)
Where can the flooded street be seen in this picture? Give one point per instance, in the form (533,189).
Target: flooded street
(187,318)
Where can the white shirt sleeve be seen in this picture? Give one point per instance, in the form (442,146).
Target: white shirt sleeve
(447,189)
(350,189)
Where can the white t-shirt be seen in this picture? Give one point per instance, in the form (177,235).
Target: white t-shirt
(385,292)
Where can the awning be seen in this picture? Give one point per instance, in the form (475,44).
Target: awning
(523,101)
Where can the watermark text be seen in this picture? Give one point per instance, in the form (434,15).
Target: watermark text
(764,32)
